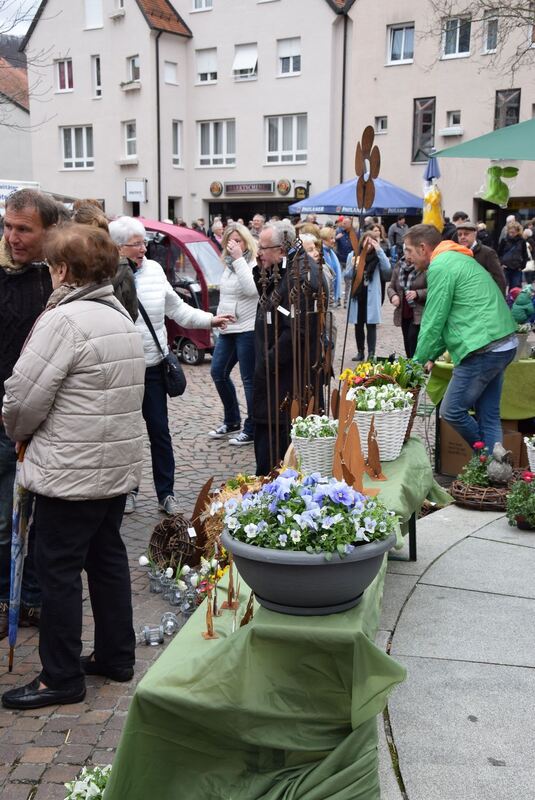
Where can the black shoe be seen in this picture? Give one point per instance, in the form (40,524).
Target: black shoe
(30,616)
(31,696)
(358,357)
(119,674)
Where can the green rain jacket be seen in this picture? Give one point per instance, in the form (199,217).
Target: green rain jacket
(464,310)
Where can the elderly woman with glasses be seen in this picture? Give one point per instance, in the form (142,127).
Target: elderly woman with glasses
(157,299)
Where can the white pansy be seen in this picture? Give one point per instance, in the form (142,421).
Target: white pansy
(144,561)
(185,570)
(169,572)
(194,580)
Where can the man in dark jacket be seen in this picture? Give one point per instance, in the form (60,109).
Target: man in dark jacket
(486,256)
(25,286)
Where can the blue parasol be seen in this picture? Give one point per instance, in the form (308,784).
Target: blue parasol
(341,199)
(22,512)
(432,169)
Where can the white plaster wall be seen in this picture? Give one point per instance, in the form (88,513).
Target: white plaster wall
(15,149)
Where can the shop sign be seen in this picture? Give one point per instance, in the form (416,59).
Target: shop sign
(256,187)
(216,188)
(301,189)
(521,202)
(135,190)
(284,186)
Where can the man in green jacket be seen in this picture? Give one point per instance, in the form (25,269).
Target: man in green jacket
(465,314)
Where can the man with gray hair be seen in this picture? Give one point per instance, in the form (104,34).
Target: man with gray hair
(257,224)
(25,286)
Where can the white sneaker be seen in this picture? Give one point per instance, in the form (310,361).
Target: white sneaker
(131,503)
(223,430)
(169,506)
(241,439)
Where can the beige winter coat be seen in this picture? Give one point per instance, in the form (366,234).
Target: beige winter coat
(76,394)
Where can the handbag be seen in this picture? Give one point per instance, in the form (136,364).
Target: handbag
(530,264)
(173,374)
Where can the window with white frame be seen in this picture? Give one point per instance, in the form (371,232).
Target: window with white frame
(490,34)
(202,5)
(401,44)
(453,119)
(381,124)
(244,66)
(177,143)
(130,138)
(77,147)
(64,79)
(507,108)
(206,61)
(93,13)
(289,56)
(286,139)
(423,132)
(217,142)
(170,72)
(456,37)
(96,76)
(133,69)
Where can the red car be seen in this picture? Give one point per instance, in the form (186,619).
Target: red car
(193,266)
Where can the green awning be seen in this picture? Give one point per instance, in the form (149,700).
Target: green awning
(514,143)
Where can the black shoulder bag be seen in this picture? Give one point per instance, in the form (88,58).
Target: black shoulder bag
(174,377)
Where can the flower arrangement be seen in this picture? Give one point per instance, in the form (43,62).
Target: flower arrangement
(89,785)
(529,441)
(388,397)
(314,427)
(520,503)
(406,372)
(524,327)
(475,472)
(312,514)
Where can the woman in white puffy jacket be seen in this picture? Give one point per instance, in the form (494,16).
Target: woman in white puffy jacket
(159,300)
(238,297)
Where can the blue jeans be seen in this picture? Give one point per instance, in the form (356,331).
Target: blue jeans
(232,349)
(513,278)
(477,384)
(30,592)
(154,411)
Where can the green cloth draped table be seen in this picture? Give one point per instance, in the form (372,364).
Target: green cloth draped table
(281,709)
(518,394)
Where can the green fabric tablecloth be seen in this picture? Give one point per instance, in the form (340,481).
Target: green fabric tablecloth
(282,709)
(518,395)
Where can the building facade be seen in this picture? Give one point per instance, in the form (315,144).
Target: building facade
(191,108)
(16,151)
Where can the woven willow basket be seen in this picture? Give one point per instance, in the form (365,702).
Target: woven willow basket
(483,498)
(390,427)
(531,457)
(315,455)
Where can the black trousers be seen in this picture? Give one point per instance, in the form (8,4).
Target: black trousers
(72,536)
(261,446)
(410,336)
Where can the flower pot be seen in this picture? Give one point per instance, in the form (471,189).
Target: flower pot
(523,524)
(304,584)
(531,456)
(524,347)
(315,455)
(390,427)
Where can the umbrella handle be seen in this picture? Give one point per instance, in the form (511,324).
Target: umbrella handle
(22,451)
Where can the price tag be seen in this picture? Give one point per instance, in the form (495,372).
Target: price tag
(192,533)
(268,317)
(283,311)
(292,311)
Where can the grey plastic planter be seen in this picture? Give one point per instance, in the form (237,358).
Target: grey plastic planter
(305,584)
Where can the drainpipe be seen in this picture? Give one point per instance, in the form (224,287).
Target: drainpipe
(343,117)
(158,128)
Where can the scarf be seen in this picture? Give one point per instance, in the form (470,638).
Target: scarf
(229,261)
(407,274)
(59,294)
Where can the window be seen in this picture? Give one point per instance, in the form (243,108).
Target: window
(453,119)
(456,40)
(381,124)
(217,142)
(507,108)
(206,65)
(490,34)
(244,66)
(286,139)
(130,138)
(202,5)
(289,56)
(134,73)
(170,72)
(423,132)
(93,13)
(77,144)
(96,77)
(64,75)
(401,44)
(177,143)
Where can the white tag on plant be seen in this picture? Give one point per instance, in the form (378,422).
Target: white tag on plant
(192,533)
(283,311)
(268,317)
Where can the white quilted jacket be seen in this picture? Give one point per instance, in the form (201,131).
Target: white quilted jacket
(160,300)
(238,296)
(76,393)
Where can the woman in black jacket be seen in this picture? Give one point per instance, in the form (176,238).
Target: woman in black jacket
(513,255)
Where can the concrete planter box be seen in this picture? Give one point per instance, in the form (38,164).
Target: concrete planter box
(304,584)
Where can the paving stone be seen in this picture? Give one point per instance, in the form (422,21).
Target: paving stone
(396,591)
(501,531)
(38,755)
(27,772)
(94,718)
(73,754)
(50,791)
(61,773)
(17,791)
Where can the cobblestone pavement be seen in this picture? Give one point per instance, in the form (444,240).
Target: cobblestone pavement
(41,749)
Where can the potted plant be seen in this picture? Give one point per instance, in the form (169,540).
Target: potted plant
(308,545)
(520,503)
(529,441)
(313,438)
(90,784)
(391,408)
(522,333)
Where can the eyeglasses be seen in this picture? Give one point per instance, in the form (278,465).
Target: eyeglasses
(268,247)
(136,244)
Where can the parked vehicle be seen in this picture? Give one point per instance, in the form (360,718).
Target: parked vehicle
(193,267)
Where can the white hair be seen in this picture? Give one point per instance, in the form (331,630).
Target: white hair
(281,231)
(123,228)
(307,237)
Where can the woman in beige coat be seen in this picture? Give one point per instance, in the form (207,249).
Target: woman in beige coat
(75,399)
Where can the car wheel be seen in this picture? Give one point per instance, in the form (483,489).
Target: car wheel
(190,354)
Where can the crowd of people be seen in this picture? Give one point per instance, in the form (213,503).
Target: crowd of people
(82,367)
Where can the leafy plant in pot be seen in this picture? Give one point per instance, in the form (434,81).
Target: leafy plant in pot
(520,503)
(308,545)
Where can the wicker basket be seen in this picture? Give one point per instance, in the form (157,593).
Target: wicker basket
(171,545)
(482,498)
(390,427)
(315,455)
(416,395)
(531,456)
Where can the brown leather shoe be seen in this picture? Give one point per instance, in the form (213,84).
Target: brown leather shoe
(30,616)
(4,623)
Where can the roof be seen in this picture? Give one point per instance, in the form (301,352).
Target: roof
(14,84)
(340,6)
(159,15)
